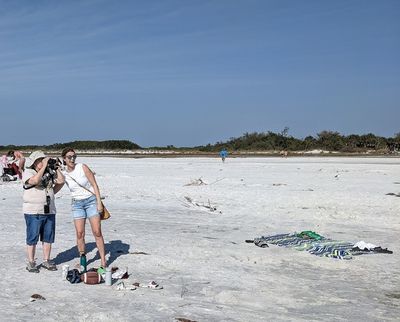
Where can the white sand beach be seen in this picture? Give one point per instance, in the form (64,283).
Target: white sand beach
(199,256)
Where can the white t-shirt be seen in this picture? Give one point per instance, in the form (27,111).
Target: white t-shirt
(35,198)
(77,192)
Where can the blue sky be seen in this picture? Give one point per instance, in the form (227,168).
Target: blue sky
(192,72)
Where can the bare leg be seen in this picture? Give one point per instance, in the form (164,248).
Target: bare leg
(95,224)
(30,250)
(80,234)
(46,251)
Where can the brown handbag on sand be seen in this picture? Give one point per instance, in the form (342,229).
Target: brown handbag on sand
(103,215)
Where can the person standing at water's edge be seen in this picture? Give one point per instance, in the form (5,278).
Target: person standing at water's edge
(42,180)
(86,202)
(223,154)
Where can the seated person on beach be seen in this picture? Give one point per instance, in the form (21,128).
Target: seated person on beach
(16,162)
(12,165)
(6,171)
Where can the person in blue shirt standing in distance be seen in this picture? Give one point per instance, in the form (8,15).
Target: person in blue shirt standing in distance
(223,154)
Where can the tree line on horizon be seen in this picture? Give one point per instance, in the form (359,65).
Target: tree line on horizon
(264,141)
(325,140)
(78,145)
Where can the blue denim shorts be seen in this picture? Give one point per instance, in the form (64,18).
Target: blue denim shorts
(43,226)
(85,208)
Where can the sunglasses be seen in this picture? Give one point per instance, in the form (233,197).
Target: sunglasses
(71,157)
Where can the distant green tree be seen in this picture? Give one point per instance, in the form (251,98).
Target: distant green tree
(285,131)
(330,140)
(309,143)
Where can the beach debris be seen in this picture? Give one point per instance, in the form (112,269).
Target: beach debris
(218,180)
(212,208)
(119,286)
(139,253)
(35,297)
(184,320)
(196,182)
(184,290)
(393,295)
(393,194)
(200,182)
(207,205)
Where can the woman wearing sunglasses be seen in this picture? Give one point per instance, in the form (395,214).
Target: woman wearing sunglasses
(86,202)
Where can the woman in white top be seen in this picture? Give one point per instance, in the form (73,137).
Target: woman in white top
(86,202)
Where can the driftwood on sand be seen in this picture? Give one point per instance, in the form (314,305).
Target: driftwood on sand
(207,205)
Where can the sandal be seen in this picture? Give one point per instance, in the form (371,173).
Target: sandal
(31,267)
(122,287)
(49,265)
(153,285)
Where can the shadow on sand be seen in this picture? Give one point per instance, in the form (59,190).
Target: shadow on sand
(115,248)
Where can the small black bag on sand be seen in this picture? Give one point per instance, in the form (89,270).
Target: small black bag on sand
(73,276)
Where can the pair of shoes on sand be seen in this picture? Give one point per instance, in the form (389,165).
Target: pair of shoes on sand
(152,285)
(122,287)
(32,267)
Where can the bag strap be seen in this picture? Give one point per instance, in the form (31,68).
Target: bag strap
(80,184)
